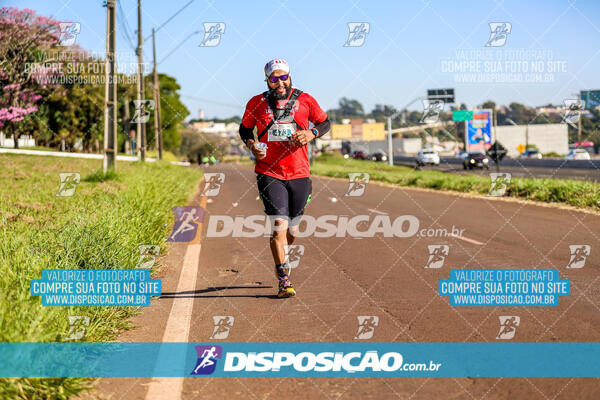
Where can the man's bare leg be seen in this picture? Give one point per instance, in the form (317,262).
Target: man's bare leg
(278,240)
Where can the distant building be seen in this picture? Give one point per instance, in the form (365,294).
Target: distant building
(546,137)
(357,129)
(550,110)
(221,128)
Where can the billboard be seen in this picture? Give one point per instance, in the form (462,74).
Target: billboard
(479,131)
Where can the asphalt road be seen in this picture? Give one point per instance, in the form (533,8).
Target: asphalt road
(340,278)
(519,168)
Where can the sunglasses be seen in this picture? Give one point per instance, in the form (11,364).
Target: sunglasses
(273,79)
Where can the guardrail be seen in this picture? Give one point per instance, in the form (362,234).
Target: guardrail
(522,162)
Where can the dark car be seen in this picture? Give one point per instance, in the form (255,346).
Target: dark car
(359,155)
(378,156)
(479,160)
(532,154)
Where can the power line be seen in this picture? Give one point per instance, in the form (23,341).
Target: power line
(178,46)
(236,106)
(126,29)
(170,18)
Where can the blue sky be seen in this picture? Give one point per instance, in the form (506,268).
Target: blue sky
(406,50)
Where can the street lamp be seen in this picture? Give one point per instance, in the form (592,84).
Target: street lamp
(389,123)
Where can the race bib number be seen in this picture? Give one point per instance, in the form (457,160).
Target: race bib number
(281,132)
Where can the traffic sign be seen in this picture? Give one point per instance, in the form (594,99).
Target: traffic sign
(497,152)
(462,115)
(446,95)
(521,148)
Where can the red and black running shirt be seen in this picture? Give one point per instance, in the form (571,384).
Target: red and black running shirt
(284,160)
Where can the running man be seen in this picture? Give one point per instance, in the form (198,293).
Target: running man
(281,116)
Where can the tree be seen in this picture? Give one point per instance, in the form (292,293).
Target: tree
(520,113)
(25,39)
(382,111)
(350,108)
(173,112)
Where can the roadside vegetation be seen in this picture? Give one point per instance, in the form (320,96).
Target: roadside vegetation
(100,226)
(576,193)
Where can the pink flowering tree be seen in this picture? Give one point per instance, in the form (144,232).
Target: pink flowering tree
(25,42)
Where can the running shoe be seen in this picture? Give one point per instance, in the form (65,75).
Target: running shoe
(286,289)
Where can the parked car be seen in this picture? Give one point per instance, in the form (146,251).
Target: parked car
(428,157)
(359,155)
(578,154)
(379,155)
(478,159)
(532,154)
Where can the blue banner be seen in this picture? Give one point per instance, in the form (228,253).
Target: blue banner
(504,287)
(300,359)
(95,287)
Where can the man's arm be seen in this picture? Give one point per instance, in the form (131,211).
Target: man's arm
(246,134)
(322,128)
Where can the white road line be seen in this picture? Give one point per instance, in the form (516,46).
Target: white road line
(466,239)
(180,318)
(377,211)
(178,325)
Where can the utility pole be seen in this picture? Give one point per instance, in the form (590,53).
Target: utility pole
(389,138)
(141,128)
(126,121)
(579,119)
(527,135)
(110,94)
(157,118)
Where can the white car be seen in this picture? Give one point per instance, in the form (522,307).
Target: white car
(578,154)
(428,156)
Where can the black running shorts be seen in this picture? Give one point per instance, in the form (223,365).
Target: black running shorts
(284,198)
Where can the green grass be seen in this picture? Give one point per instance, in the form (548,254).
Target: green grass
(577,193)
(101,226)
(167,155)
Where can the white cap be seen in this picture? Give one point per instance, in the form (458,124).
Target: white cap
(276,64)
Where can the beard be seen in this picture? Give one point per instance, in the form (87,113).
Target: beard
(276,96)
